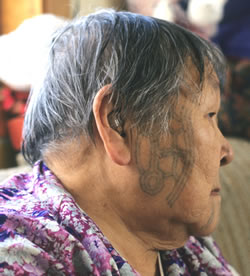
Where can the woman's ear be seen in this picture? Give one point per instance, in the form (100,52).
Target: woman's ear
(113,141)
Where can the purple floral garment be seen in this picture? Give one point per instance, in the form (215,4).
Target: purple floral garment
(44,232)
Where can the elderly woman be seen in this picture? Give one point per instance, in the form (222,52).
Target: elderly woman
(122,133)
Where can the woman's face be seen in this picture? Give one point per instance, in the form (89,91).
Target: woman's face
(179,173)
(197,202)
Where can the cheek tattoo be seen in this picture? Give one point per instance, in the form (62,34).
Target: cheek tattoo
(151,177)
(177,153)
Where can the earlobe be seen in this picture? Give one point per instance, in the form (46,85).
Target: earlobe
(114,143)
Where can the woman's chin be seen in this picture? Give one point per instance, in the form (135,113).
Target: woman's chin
(207,229)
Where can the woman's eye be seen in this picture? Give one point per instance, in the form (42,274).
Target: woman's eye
(211,114)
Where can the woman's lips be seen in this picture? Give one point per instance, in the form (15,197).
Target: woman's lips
(215,192)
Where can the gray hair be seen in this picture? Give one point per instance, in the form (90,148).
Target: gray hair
(143,59)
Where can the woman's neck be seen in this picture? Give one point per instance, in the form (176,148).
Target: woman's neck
(130,245)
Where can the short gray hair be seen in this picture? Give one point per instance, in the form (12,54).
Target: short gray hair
(142,58)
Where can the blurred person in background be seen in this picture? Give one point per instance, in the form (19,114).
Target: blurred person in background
(141,6)
(233,37)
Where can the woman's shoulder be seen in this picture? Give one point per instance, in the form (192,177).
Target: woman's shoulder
(44,232)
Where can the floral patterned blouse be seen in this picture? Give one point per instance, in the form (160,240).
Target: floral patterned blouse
(44,232)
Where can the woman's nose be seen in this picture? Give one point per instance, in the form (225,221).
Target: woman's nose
(227,154)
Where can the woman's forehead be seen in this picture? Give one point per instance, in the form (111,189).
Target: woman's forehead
(194,84)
